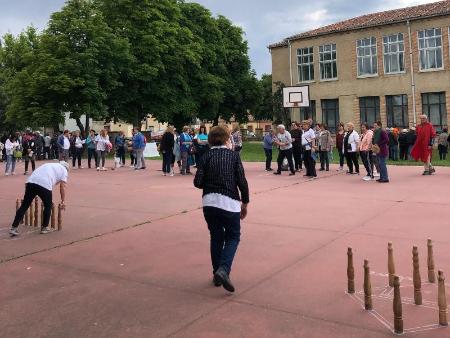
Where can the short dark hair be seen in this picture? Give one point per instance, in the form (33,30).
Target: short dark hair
(218,136)
(365,125)
(65,131)
(445,130)
(379,124)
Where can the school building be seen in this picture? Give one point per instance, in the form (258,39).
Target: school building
(390,66)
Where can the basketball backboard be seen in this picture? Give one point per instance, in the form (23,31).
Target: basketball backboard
(294,97)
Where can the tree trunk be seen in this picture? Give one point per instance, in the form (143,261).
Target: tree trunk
(87,126)
(216,121)
(80,125)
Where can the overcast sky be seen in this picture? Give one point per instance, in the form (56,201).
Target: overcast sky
(264,21)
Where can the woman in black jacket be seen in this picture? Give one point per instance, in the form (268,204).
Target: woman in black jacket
(166,149)
(221,176)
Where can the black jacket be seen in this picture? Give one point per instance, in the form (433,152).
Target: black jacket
(167,142)
(221,171)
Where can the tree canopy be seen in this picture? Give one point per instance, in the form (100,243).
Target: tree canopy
(127,59)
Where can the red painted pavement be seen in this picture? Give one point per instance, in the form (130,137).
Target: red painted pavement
(132,259)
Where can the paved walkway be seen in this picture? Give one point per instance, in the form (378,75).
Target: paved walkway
(132,259)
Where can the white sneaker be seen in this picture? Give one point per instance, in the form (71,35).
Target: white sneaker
(14,232)
(172,174)
(104,169)
(367,178)
(376,175)
(45,230)
(13,173)
(164,174)
(6,174)
(98,168)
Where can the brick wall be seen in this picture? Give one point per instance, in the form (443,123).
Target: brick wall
(383,114)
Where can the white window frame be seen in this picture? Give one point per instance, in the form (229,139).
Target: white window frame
(398,55)
(331,61)
(435,48)
(371,57)
(305,64)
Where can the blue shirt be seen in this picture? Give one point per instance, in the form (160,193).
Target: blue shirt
(138,141)
(185,138)
(268,141)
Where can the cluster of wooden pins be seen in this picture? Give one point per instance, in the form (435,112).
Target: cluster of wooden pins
(394,282)
(35,211)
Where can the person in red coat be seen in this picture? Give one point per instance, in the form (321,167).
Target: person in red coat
(423,148)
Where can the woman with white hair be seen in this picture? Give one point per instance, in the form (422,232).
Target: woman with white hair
(283,140)
(351,145)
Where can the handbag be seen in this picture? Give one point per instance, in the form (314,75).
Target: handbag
(17,154)
(376,148)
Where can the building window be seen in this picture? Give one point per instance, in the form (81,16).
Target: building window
(366,50)
(308,112)
(433,105)
(430,49)
(397,111)
(369,109)
(305,60)
(328,62)
(330,113)
(394,54)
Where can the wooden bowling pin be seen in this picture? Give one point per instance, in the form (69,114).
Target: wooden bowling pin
(391,265)
(42,213)
(397,305)
(416,277)
(53,216)
(59,217)
(36,212)
(27,217)
(430,262)
(31,209)
(17,208)
(442,299)
(350,272)
(367,287)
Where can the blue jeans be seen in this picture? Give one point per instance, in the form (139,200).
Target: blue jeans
(10,164)
(225,230)
(394,153)
(383,168)
(167,162)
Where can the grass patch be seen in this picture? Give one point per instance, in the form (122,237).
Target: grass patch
(254,152)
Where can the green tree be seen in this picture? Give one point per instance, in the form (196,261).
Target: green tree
(75,65)
(165,55)
(241,86)
(281,114)
(265,108)
(18,57)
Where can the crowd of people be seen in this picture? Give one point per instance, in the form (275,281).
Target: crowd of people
(185,149)
(301,147)
(308,143)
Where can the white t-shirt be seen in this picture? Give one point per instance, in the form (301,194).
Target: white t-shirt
(101,142)
(48,175)
(283,138)
(66,143)
(308,138)
(79,143)
(222,202)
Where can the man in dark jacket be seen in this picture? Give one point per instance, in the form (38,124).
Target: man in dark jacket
(296,134)
(29,150)
(411,138)
(403,143)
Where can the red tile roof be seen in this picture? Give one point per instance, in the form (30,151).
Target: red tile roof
(440,8)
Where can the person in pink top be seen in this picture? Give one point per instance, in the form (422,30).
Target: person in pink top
(365,150)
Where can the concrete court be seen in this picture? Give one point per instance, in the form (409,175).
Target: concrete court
(132,259)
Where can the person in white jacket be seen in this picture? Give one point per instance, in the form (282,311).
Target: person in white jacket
(350,149)
(11,145)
